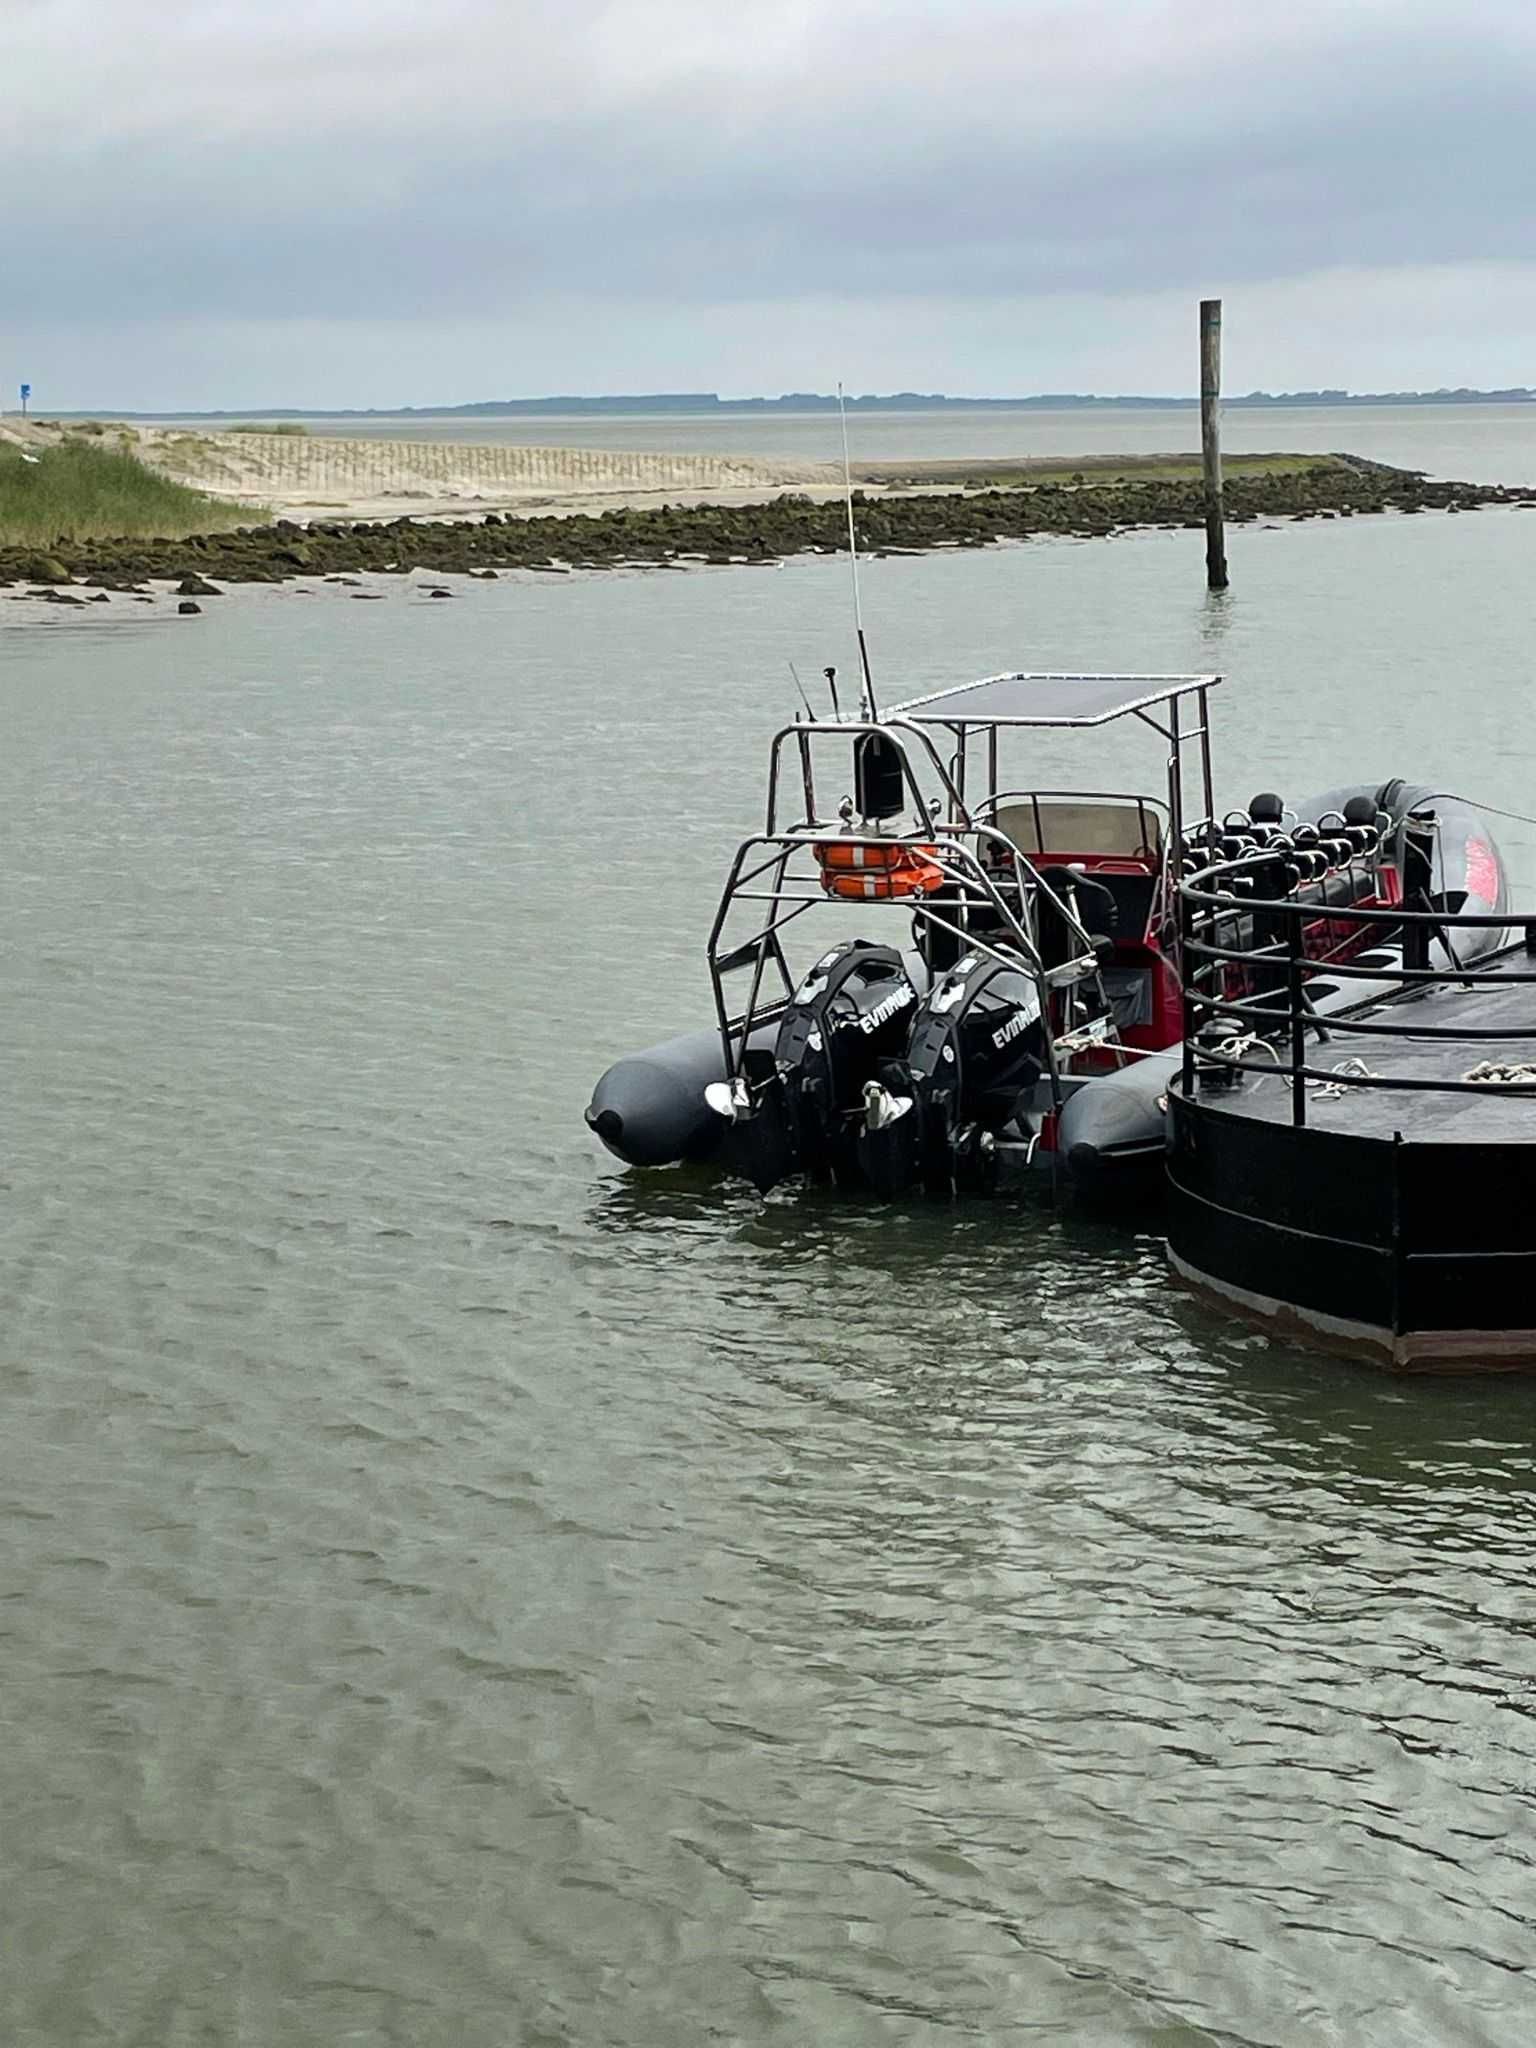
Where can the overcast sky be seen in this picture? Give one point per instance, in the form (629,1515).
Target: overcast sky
(373,202)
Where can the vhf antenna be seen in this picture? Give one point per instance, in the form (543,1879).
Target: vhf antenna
(868,707)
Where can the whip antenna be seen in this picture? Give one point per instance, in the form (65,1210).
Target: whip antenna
(868,706)
(810,714)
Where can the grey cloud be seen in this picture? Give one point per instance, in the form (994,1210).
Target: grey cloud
(383,162)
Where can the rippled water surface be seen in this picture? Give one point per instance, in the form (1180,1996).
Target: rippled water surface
(457,1595)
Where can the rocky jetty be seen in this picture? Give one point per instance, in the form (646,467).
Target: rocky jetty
(676,536)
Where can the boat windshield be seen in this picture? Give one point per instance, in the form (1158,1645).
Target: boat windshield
(1114,827)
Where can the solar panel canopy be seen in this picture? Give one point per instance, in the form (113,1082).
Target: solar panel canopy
(1047,699)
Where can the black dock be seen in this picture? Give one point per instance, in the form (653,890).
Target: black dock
(1367,1179)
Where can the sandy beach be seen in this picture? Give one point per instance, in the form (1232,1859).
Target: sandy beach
(309,478)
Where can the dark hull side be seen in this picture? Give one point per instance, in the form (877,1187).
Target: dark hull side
(1416,1256)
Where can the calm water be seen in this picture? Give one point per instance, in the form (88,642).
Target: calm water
(457,1596)
(1476,443)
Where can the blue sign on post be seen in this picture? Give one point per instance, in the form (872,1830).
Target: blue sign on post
(26,393)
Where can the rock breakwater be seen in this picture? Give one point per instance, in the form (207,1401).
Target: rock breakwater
(791,524)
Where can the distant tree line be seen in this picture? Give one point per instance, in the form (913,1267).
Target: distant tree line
(682,402)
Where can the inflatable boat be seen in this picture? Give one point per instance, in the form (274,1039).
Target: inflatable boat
(929,973)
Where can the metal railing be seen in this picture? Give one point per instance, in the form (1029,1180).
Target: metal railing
(1262,988)
(990,906)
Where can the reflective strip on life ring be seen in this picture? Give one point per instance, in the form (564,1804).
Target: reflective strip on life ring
(852,853)
(912,875)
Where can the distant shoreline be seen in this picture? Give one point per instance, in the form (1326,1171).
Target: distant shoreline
(709,404)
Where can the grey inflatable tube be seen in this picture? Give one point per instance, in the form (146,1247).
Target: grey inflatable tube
(1111,1134)
(1468,866)
(649,1109)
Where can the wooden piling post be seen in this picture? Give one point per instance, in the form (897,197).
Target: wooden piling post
(1210,442)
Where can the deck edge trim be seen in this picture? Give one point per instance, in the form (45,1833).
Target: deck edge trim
(1421,1350)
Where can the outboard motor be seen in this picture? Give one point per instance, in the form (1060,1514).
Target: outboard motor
(977,1044)
(760,1136)
(852,1011)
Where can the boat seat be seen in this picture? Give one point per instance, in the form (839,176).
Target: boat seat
(959,905)
(1132,895)
(1343,886)
(1096,909)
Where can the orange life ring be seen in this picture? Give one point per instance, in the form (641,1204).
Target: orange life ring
(861,853)
(867,873)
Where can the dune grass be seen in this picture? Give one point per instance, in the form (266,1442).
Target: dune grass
(270,427)
(79,492)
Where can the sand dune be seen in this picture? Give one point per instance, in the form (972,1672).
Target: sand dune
(304,476)
(309,477)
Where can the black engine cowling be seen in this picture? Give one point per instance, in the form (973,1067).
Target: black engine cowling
(850,1013)
(977,1044)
